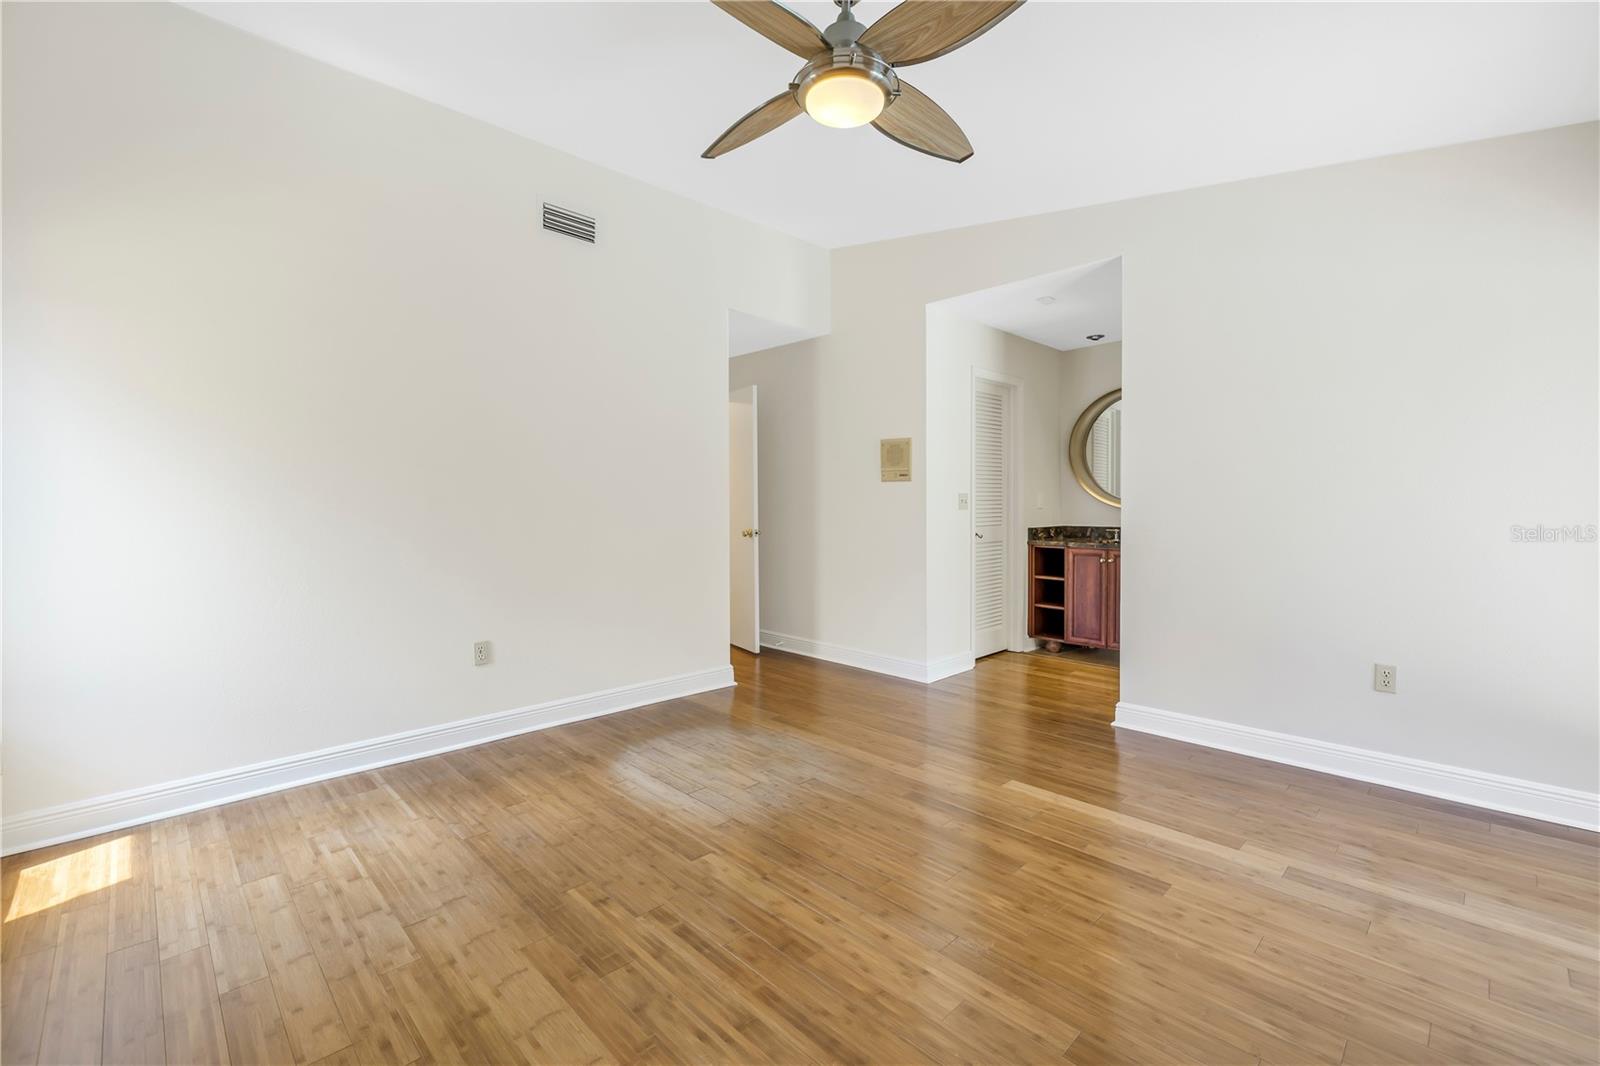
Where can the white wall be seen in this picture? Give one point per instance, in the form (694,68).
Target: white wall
(300,402)
(1343,387)
(1086,375)
(838,530)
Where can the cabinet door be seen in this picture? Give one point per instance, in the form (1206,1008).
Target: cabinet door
(1086,596)
(1114,600)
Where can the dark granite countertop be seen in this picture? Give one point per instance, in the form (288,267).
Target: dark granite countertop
(1104,537)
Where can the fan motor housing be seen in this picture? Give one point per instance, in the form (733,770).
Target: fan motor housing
(854,57)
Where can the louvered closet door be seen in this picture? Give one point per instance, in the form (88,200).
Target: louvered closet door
(991,418)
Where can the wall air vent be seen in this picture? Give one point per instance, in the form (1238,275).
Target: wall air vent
(570,223)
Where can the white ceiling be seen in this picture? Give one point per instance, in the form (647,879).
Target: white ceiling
(1066,103)
(1059,310)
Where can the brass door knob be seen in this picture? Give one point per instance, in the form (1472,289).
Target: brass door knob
(750,533)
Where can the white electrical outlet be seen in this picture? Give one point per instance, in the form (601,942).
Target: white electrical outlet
(1382,677)
(480,653)
(961,501)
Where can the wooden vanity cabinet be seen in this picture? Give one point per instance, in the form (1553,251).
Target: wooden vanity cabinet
(1073,595)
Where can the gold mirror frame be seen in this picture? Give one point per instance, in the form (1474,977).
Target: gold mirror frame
(1078,448)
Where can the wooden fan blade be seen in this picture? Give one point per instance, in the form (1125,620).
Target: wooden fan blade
(764,119)
(777,24)
(919,30)
(917,122)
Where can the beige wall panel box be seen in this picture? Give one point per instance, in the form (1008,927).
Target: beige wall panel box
(894,458)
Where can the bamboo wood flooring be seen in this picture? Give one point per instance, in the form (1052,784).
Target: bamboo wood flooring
(822,865)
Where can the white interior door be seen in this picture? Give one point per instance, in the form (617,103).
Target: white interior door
(991,434)
(744,538)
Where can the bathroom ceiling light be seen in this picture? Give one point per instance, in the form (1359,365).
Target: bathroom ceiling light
(1095,337)
(1046,299)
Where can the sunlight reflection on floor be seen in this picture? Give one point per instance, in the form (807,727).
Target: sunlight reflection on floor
(60,880)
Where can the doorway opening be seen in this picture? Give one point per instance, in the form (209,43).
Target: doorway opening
(1041,360)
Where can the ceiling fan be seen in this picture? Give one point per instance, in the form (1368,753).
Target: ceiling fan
(851,74)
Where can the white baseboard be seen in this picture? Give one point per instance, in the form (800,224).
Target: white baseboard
(909,669)
(949,666)
(1477,788)
(102,814)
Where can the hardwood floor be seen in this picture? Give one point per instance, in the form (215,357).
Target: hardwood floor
(822,865)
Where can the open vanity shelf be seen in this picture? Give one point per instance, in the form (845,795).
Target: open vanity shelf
(1073,594)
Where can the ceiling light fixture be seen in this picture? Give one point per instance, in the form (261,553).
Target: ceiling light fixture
(1046,299)
(850,76)
(1095,337)
(844,97)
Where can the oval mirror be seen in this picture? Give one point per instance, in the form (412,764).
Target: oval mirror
(1094,449)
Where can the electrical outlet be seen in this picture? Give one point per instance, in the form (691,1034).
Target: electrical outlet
(1382,677)
(961,501)
(480,653)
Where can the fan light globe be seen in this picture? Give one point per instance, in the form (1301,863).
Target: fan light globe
(844,99)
